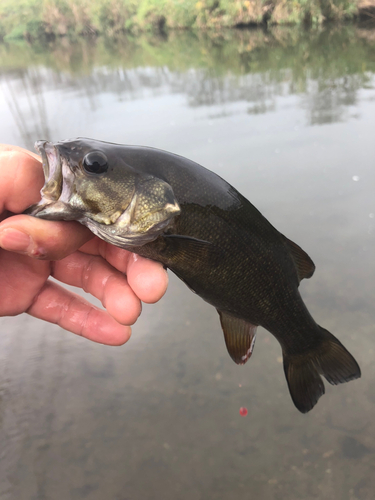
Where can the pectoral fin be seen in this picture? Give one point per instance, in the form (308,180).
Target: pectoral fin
(187,250)
(239,337)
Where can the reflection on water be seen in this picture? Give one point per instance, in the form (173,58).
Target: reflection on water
(326,69)
(289,119)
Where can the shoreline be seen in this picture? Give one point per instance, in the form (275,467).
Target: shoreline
(60,18)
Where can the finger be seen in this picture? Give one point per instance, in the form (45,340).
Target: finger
(21,177)
(9,147)
(95,276)
(117,257)
(147,278)
(51,240)
(73,313)
(21,279)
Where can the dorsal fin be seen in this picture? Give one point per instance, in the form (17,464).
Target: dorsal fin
(239,337)
(305,266)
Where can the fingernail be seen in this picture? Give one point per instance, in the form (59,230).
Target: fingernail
(14,240)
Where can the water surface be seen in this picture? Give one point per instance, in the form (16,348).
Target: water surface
(286,117)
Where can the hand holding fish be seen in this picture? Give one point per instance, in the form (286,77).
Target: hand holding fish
(32,250)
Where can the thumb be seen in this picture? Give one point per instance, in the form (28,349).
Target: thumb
(42,239)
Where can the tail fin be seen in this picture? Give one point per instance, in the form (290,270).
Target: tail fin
(303,371)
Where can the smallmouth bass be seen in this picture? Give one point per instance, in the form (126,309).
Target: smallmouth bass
(172,210)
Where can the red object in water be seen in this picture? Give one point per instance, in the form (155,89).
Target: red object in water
(243,411)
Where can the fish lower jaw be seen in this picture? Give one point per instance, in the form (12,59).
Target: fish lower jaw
(52,210)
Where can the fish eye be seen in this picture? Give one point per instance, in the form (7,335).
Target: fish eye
(95,162)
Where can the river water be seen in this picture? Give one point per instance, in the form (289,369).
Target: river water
(288,118)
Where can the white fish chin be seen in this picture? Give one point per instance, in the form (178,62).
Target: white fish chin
(116,236)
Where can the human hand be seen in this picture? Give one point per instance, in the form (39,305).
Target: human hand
(32,250)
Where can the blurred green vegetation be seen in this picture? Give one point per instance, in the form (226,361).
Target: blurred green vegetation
(32,19)
(305,53)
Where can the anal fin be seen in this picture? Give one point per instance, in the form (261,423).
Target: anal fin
(239,337)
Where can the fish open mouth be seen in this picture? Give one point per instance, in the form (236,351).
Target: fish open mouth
(51,206)
(40,147)
(52,170)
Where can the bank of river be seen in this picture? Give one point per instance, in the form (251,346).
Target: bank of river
(32,19)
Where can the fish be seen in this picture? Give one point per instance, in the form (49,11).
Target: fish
(170,209)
